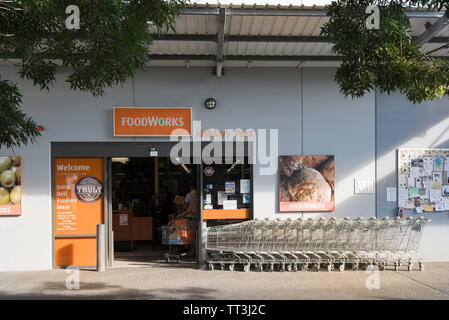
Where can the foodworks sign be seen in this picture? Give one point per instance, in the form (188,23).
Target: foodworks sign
(152,121)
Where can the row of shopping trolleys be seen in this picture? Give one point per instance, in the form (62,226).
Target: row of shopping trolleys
(316,244)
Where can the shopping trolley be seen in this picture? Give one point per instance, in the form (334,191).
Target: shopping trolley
(294,244)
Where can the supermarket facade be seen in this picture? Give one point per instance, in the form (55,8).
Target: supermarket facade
(295,94)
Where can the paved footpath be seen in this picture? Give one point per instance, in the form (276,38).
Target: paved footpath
(171,282)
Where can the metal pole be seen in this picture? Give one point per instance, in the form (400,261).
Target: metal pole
(101,248)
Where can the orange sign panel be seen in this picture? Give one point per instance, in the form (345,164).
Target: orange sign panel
(75,251)
(152,121)
(79,207)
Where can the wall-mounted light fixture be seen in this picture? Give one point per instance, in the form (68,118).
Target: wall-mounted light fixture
(210,103)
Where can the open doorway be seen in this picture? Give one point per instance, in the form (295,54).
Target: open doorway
(155,212)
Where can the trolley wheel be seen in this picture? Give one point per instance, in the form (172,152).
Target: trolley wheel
(341,267)
(410,267)
(282,267)
(271,268)
(421,266)
(289,267)
(329,267)
(231,267)
(222,266)
(211,266)
(396,267)
(261,267)
(246,268)
(317,267)
(295,267)
(305,267)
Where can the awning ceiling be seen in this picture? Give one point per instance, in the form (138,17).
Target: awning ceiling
(256,35)
(265,35)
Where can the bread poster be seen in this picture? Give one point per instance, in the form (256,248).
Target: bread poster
(306,183)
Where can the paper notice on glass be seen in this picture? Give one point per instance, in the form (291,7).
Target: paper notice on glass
(244,186)
(230,187)
(403,194)
(208,198)
(409,205)
(246,198)
(229,204)
(220,197)
(123,219)
(435,194)
(424,193)
(439,206)
(437,178)
(413,192)
(428,165)
(438,164)
(402,180)
(415,172)
(446,164)
(446,204)
(391,194)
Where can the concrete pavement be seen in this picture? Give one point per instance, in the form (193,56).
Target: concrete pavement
(157,281)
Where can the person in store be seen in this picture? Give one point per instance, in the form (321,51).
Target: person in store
(190,212)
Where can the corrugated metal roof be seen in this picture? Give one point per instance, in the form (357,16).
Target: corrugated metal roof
(264,25)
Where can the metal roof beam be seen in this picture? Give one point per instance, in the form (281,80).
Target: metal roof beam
(252,57)
(432,31)
(244,38)
(289,12)
(220,40)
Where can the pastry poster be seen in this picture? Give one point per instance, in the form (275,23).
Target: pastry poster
(306,183)
(10,186)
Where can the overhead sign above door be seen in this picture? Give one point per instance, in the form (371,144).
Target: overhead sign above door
(152,121)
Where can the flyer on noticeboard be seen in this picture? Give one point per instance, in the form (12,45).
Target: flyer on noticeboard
(10,186)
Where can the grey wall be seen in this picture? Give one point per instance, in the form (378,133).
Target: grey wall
(304,105)
(401,124)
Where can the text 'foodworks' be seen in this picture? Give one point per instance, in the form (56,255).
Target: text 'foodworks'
(152,121)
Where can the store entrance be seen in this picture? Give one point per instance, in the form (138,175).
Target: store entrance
(155,212)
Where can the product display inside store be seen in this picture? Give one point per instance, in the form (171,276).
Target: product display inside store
(154,209)
(227,190)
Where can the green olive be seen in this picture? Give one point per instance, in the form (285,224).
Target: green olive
(19,175)
(7,179)
(16,171)
(15,195)
(15,161)
(5,163)
(4,196)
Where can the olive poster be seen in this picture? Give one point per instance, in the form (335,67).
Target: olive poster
(10,186)
(306,183)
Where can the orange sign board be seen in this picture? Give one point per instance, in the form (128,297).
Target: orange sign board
(152,121)
(79,207)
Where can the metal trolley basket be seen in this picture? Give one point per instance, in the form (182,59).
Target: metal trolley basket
(173,237)
(318,243)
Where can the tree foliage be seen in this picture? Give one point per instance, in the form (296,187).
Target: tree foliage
(386,58)
(110,45)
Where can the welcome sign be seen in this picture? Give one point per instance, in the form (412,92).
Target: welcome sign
(152,121)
